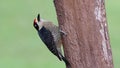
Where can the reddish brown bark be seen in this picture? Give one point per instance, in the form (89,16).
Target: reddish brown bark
(87,42)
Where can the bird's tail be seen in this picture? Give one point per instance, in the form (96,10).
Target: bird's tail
(65,60)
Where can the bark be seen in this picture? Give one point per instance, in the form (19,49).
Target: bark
(87,42)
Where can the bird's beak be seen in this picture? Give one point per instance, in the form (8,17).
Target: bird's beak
(38,17)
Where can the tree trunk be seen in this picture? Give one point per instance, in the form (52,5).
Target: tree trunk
(87,42)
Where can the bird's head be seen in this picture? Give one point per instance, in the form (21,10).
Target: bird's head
(38,23)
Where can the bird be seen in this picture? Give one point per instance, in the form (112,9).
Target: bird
(50,34)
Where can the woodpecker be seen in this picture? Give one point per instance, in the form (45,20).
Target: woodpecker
(50,34)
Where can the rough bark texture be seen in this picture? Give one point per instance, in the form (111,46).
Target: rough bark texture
(87,42)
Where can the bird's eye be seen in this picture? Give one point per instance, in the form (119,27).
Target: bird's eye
(36,26)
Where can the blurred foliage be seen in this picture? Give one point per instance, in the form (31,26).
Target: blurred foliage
(20,46)
(113,9)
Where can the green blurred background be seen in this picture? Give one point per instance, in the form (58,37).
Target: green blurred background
(20,46)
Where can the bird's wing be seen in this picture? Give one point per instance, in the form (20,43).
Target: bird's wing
(55,32)
(48,40)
